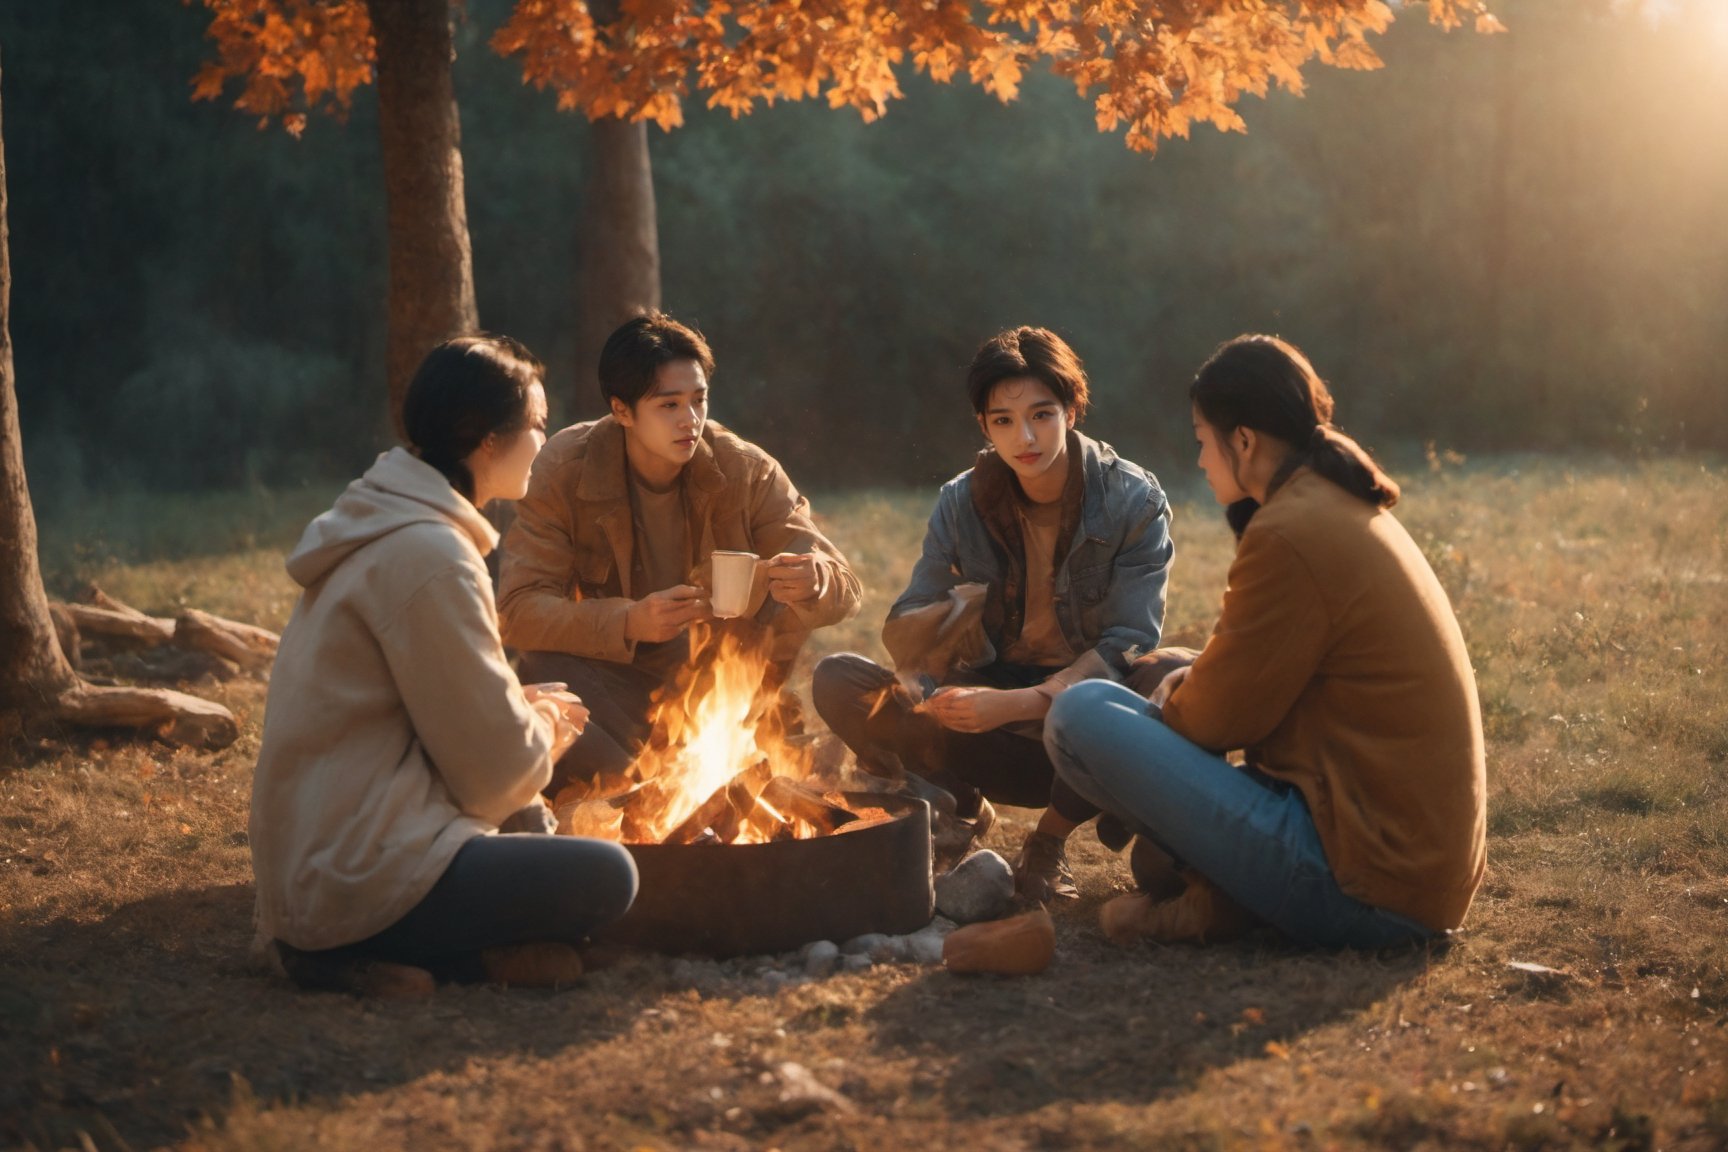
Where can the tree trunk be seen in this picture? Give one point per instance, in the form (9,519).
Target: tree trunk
(34,673)
(620,245)
(431,266)
(36,678)
(620,275)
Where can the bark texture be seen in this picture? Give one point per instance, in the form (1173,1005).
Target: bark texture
(431,263)
(620,275)
(34,673)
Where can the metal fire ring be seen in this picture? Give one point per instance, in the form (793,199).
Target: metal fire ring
(744,899)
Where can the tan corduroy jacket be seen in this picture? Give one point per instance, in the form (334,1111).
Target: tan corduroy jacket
(566,580)
(1337,664)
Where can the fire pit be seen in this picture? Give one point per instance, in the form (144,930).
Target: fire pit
(739,850)
(738,899)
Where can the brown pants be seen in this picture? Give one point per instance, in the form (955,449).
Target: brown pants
(1007,767)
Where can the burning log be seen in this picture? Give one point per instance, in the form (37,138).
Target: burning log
(701,822)
(794,799)
(728,811)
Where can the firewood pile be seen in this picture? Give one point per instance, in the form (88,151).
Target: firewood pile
(107,642)
(754,807)
(102,636)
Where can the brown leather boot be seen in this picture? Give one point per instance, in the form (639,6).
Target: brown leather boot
(1041,872)
(1156,873)
(543,964)
(378,979)
(382,980)
(1201,914)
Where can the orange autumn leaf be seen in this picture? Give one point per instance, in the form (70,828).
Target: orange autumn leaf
(1152,68)
(289,57)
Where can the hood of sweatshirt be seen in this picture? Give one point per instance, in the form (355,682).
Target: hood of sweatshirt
(398,490)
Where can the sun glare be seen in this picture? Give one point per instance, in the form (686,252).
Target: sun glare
(1709,16)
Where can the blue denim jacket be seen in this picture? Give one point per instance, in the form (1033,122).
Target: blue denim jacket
(1110,589)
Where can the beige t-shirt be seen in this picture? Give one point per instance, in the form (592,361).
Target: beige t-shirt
(1041,640)
(662,537)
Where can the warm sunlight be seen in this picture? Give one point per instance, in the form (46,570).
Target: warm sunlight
(1710,17)
(417,731)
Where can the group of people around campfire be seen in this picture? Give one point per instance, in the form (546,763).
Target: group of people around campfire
(400,735)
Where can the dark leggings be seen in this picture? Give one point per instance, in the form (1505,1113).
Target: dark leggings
(509,889)
(1002,765)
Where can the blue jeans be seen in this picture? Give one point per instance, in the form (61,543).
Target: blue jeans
(1250,835)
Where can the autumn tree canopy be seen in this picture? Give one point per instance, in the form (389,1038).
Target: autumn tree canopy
(1154,68)
(290,56)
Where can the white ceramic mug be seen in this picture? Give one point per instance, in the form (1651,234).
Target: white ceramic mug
(734,573)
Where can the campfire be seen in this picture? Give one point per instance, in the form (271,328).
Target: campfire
(720,766)
(739,846)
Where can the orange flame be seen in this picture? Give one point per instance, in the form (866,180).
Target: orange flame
(720,717)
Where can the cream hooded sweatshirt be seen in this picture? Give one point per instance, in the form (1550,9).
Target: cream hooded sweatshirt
(395,730)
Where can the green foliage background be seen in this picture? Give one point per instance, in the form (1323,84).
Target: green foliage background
(1494,243)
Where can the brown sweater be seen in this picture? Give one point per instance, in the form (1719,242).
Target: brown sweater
(1337,664)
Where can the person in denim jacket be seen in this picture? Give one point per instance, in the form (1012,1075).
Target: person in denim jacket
(1044,564)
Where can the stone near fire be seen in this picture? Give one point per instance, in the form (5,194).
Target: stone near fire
(857,962)
(865,945)
(925,947)
(821,957)
(892,950)
(981,887)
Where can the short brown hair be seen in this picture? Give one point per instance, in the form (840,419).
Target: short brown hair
(1035,352)
(635,351)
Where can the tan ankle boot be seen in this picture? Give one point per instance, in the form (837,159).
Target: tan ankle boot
(382,980)
(542,964)
(1201,914)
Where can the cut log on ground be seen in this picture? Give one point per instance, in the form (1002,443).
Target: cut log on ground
(172,717)
(248,646)
(195,645)
(127,625)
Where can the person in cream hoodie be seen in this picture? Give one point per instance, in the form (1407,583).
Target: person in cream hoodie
(397,738)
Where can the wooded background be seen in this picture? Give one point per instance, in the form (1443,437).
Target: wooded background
(1507,242)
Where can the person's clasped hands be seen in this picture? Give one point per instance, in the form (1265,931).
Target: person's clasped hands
(972,709)
(569,716)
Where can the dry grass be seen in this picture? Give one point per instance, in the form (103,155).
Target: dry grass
(1594,602)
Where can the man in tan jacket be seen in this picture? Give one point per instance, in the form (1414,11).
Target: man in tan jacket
(606,566)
